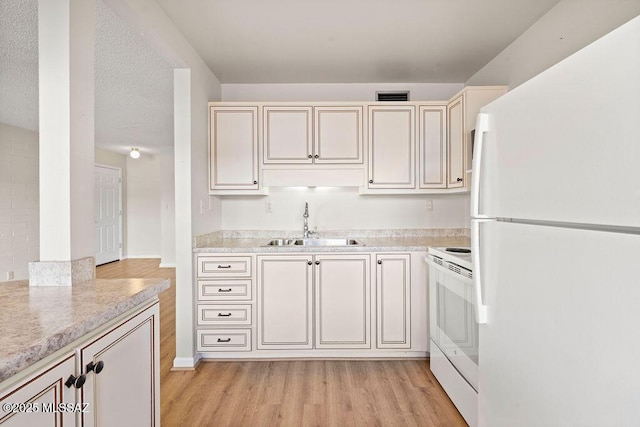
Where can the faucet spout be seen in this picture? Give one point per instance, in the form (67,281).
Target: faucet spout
(305,228)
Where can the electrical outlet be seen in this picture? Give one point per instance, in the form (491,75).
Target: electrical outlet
(429,205)
(268,206)
(201,206)
(9,275)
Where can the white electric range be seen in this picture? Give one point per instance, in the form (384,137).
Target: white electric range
(453,327)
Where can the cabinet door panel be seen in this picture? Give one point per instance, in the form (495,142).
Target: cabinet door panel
(392,147)
(287,135)
(233,148)
(393,301)
(455,147)
(42,393)
(338,135)
(433,147)
(342,301)
(285,295)
(126,391)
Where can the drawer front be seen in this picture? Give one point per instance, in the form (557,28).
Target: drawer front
(224,315)
(229,266)
(224,340)
(224,290)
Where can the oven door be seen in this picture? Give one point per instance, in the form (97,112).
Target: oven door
(452,318)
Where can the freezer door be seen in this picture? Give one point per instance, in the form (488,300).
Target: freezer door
(560,346)
(565,146)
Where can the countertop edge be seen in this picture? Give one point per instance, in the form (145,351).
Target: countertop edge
(15,363)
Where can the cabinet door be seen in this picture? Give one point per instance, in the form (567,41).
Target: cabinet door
(338,135)
(455,147)
(127,390)
(391,147)
(432,145)
(287,135)
(233,148)
(41,394)
(285,297)
(342,301)
(393,300)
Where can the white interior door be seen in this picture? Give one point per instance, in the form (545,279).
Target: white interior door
(107,212)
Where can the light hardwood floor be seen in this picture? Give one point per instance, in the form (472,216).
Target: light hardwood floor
(288,393)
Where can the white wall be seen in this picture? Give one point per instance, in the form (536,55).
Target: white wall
(342,209)
(167,209)
(336,92)
(565,29)
(143,207)
(19,208)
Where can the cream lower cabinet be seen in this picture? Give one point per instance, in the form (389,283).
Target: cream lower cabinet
(292,288)
(122,369)
(393,300)
(111,378)
(40,394)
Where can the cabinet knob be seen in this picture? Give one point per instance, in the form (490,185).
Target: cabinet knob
(255,182)
(309,156)
(379,261)
(95,367)
(370,181)
(317,262)
(317,156)
(309,262)
(459,179)
(77,382)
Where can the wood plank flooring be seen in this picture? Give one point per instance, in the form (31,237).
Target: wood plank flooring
(288,393)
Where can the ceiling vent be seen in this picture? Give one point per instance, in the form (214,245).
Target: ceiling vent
(392,96)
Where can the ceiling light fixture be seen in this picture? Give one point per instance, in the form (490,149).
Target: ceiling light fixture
(135,153)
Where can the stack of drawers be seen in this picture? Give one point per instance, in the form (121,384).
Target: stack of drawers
(224,302)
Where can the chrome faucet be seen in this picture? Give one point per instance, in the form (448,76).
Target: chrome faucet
(305,228)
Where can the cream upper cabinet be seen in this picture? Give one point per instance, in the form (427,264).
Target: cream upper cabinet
(456,143)
(287,135)
(338,134)
(432,146)
(342,301)
(233,148)
(312,135)
(391,147)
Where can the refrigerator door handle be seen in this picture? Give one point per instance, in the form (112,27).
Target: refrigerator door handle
(481,309)
(482,126)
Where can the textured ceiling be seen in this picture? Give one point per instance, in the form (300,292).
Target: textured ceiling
(134,84)
(351,41)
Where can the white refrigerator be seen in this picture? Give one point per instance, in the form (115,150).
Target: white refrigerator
(555,209)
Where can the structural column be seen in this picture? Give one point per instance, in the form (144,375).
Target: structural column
(66,42)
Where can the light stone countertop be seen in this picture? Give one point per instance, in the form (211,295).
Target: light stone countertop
(37,321)
(373,241)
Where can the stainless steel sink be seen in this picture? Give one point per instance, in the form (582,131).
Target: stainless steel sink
(279,242)
(326,242)
(313,242)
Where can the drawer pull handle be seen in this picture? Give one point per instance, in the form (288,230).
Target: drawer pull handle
(224,266)
(224,290)
(225,340)
(224,314)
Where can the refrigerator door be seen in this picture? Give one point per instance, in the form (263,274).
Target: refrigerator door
(560,346)
(565,146)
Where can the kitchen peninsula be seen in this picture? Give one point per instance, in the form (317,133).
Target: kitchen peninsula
(55,341)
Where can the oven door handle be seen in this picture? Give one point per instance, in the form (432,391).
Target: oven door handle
(454,276)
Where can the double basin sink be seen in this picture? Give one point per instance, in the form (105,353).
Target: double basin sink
(313,242)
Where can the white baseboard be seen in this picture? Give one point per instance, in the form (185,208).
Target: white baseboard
(167,265)
(143,256)
(185,363)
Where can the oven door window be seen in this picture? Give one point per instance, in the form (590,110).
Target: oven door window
(455,328)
